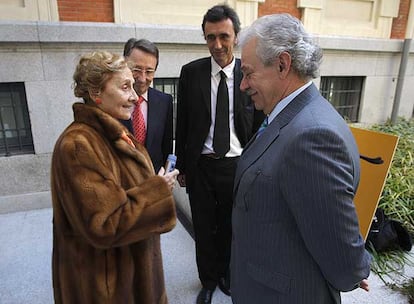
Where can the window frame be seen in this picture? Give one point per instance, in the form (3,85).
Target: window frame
(15,127)
(344,93)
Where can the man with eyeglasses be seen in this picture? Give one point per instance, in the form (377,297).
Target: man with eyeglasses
(152,119)
(214,122)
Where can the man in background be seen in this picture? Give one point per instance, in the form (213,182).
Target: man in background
(214,122)
(152,119)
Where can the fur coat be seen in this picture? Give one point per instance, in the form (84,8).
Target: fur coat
(109,209)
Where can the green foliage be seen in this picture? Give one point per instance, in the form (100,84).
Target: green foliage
(406,288)
(389,266)
(397,199)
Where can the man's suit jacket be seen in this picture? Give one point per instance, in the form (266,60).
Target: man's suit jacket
(194,113)
(159,138)
(295,228)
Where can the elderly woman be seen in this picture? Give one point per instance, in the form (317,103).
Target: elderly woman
(109,207)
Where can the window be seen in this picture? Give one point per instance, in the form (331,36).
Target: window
(344,93)
(169,86)
(15,130)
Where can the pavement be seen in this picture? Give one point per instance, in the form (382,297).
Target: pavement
(25,265)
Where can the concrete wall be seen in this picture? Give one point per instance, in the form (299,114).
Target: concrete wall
(179,11)
(34,10)
(357,18)
(123,11)
(43,56)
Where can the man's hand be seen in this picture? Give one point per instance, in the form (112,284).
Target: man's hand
(364,285)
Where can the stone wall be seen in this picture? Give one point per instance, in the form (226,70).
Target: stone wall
(43,55)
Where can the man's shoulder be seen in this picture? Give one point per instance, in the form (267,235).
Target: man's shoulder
(197,63)
(158,94)
(205,61)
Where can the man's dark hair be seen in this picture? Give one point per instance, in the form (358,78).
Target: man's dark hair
(143,45)
(219,13)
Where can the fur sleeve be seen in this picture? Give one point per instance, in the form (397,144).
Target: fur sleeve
(89,189)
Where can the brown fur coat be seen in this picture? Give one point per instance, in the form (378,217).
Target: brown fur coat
(109,208)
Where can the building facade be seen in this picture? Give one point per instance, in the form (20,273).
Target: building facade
(41,40)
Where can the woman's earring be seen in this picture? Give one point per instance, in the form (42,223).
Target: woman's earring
(98,101)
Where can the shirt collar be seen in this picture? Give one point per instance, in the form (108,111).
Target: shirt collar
(285,101)
(228,69)
(145,95)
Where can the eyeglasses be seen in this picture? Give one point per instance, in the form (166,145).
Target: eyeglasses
(138,70)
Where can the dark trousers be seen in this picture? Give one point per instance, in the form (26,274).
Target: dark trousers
(211,201)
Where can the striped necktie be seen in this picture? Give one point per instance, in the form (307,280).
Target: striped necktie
(263,126)
(138,122)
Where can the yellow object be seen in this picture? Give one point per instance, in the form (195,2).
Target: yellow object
(372,144)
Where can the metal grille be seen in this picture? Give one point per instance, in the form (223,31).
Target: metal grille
(344,93)
(169,86)
(15,128)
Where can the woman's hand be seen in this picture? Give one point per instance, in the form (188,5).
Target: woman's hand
(169,177)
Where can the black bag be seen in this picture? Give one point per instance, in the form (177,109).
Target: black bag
(386,234)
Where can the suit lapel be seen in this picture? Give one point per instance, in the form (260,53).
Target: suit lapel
(205,84)
(237,80)
(152,116)
(256,147)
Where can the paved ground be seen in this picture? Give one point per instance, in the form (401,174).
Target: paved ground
(25,255)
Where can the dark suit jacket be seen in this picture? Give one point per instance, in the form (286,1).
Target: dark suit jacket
(295,229)
(159,138)
(194,109)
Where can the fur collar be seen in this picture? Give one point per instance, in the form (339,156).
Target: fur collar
(110,128)
(98,120)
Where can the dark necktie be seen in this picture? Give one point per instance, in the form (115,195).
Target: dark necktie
(221,139)
(263,126)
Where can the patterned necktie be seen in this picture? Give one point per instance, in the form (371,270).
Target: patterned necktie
(221,138)
(263,126)
(138,122)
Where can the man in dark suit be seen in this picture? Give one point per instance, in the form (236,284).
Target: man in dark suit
(156,108)
(295,229)
(208,168)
